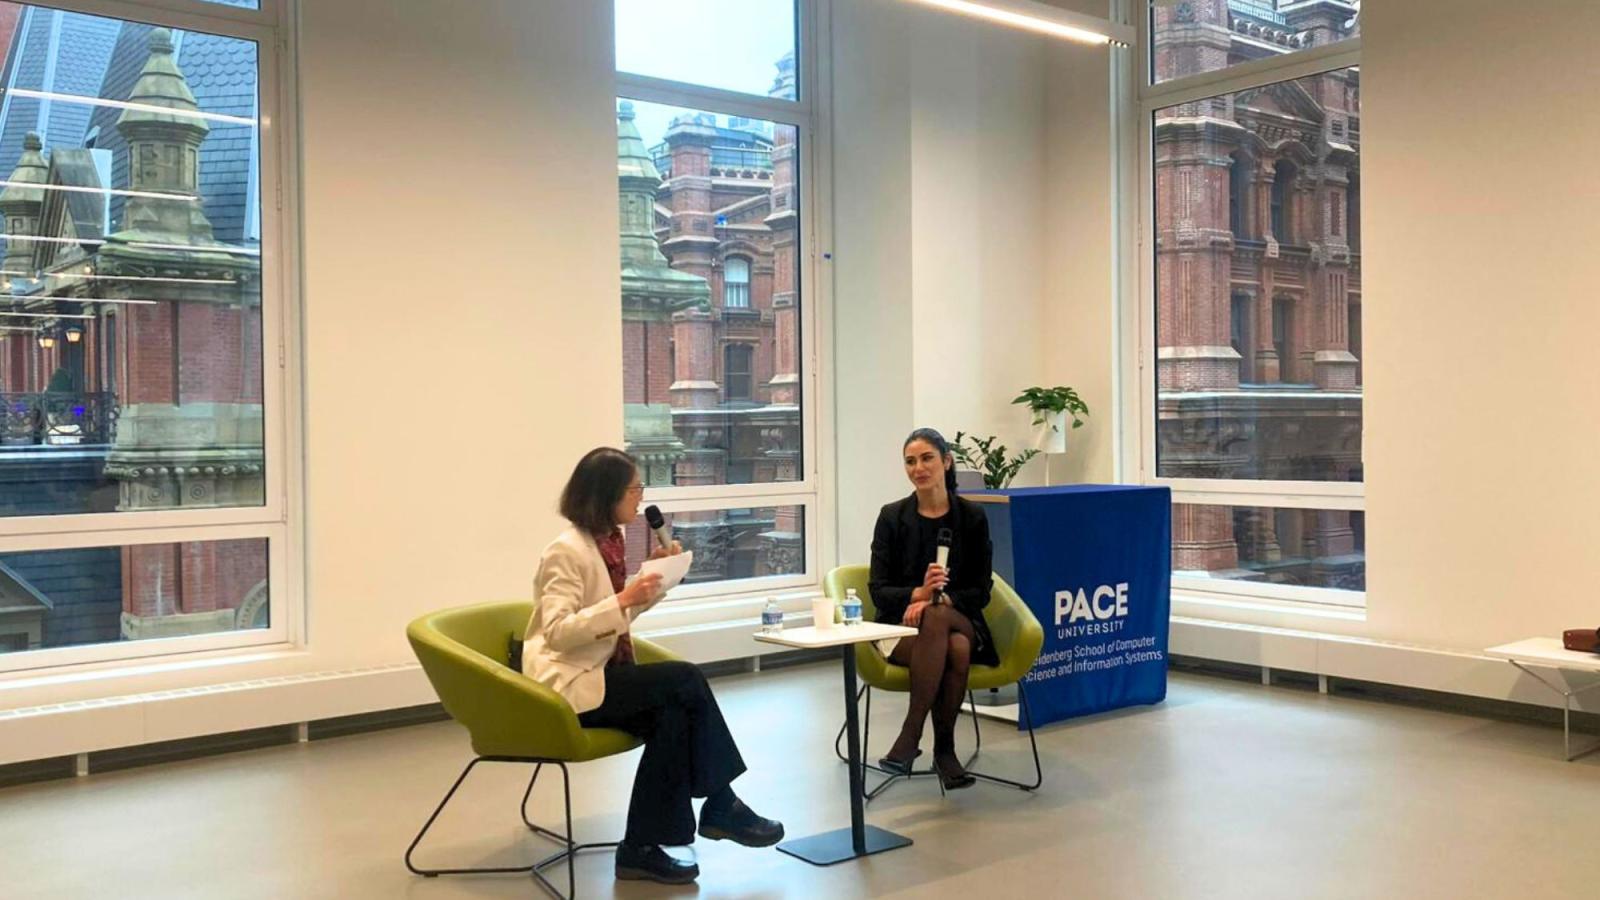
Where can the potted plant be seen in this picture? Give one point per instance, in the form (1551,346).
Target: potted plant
(988,457)
(1050,408)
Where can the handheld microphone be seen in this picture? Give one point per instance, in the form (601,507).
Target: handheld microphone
(941,556)
(658,526)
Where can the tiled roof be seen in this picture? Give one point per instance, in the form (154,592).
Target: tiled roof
(103,57)
(52,51)
(83,46)
(55,51)
(221,73)
(75,168)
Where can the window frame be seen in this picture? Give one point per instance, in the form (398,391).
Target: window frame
(813,174)
(277,520)
(1137,98)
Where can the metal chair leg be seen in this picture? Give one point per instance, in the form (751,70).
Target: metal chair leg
(977,733)
(563,855)
(433,873)
(1038,771)
(529,793)
(977,739)
(566,854)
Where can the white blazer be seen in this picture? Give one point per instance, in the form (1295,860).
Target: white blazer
(576,621)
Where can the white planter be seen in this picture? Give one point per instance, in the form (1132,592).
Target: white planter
(1051,436)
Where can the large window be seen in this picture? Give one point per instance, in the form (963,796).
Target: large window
(141,430)
(1252,295)
(716,230)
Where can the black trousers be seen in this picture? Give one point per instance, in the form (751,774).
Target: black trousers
(688,750)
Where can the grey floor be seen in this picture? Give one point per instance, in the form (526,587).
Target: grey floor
(1227,790)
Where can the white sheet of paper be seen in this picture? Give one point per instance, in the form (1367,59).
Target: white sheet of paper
(672,569)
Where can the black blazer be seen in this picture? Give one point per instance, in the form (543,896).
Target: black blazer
(899,563)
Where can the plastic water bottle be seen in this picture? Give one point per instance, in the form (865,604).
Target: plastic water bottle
(852,607)
(771,617)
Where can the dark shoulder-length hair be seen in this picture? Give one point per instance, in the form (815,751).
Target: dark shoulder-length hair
(590,498)
(935,440)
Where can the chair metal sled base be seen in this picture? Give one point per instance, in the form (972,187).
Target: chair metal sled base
(977,738)
(536,869)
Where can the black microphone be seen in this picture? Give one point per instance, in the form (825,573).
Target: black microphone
(941,556)
(658,526)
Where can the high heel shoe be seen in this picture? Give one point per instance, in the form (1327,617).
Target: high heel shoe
(898,766)
(952,775)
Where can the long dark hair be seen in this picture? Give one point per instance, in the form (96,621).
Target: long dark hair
(590,498)
(935,440)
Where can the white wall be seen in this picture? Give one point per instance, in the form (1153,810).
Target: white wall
(973,219)
(1080,338)
(1478,220)
(460,185)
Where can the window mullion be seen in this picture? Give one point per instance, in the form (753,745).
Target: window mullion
(676,93)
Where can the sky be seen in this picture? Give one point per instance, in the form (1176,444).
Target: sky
(730,44)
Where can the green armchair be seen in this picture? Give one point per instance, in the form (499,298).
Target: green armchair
(511,718)
(1018,638)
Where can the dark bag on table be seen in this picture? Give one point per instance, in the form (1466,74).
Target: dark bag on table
(1584,640)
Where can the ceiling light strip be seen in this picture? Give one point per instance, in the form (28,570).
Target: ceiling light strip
(1040,18)
(124,104)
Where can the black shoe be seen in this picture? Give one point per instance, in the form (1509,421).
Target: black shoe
(648,862)
(741,825)
(898,766)
(952,775)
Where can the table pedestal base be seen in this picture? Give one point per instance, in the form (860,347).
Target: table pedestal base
(830,847)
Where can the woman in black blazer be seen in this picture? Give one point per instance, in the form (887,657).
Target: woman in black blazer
(945,604)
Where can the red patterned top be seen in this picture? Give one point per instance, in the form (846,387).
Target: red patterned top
(613,550)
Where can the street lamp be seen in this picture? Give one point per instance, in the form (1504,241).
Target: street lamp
(74,333)
(47,339)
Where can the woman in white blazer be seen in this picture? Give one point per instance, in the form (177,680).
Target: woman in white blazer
(577,644)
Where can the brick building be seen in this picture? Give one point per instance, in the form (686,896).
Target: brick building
(130,372)
(1258,289)
(711,342)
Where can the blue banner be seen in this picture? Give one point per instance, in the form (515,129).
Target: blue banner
(1094,564)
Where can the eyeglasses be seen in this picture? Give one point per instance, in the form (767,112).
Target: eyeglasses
(636,488)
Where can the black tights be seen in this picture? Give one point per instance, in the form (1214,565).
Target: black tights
(939,657)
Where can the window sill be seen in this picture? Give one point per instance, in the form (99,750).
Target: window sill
(118,669)
(1201,605)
